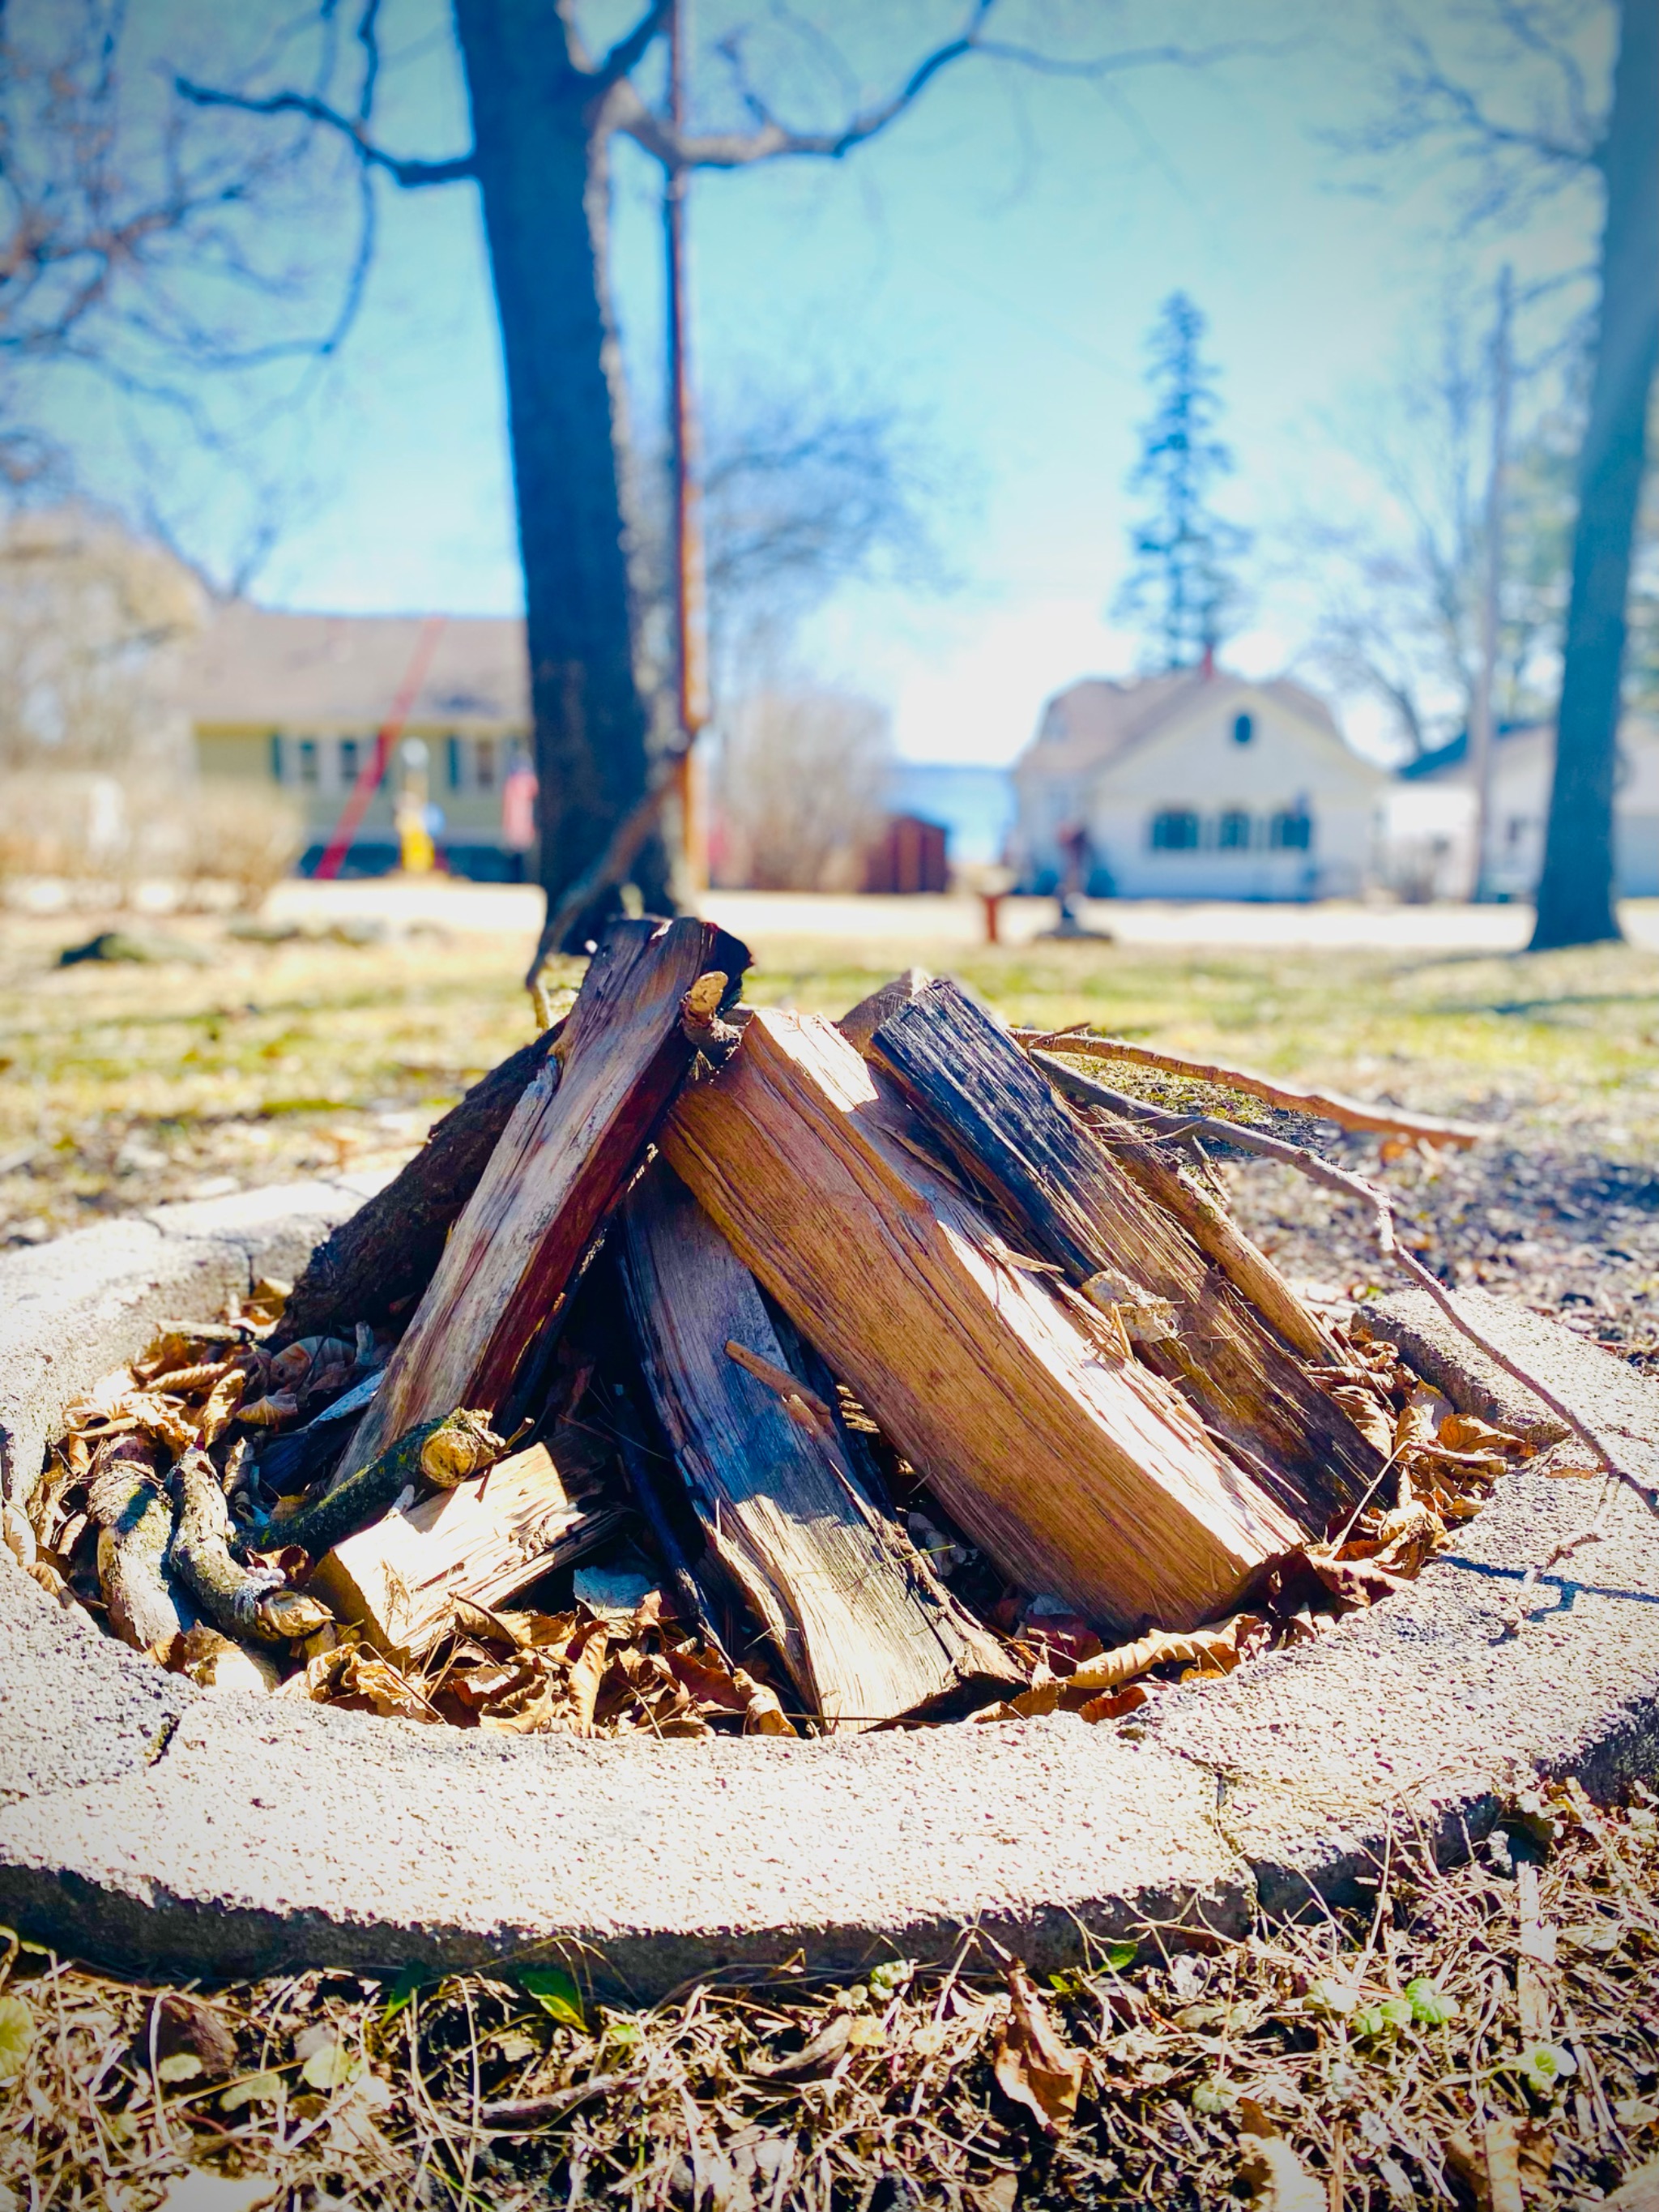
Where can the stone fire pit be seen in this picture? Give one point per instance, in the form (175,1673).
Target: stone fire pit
(143,1821)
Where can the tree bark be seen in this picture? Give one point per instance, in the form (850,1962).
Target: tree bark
(543,174)
(1575,889)
(575,1137)
(381,1258)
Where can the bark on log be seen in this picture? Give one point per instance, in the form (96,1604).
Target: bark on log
(1065,1196)
(381,1259)
(1078,1470)
(243,1602)
(865,1630)
(135,1526)
(400,1579)
(564,1158)
(445,1452)
(1216,1235)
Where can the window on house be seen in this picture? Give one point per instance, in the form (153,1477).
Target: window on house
(308,761)
(1291,830)
(275,756)
(1175,830)
(453,762)
(484,763)
(1243,729)
(1232,833)
(349,762)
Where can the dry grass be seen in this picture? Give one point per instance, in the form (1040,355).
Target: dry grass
(250,1062)
(1407,2053)
(126,1086)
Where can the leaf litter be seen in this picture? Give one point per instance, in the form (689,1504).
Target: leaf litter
(101,1518)
(1371,2057)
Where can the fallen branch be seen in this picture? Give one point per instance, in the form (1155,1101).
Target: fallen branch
(1325,1105)
(1381,1207)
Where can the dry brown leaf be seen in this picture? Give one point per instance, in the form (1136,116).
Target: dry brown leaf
(179,2024)
(1033,2065)
(763,1714)
(1463,1432)
(821,2056)
(1271,2169)
(1220,1648)
(1367,1412)
(270,1412)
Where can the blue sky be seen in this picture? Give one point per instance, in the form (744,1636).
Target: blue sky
(993,266)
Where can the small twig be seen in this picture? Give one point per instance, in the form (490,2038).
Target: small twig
(1325,1105)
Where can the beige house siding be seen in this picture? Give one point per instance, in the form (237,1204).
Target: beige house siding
(295,701)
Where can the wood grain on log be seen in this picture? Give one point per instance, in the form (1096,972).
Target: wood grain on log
(380,1258)
(564,1157)
(485,1541)
(1210,1226)
(1064,1196)
(1078,1470)
(865,1630)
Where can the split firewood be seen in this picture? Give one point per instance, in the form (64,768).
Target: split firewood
(1323,1105)
(1079,1470)
(864,1627)
(135,1526)
(1113,1119)
(382,1257)
(242,1601)
(404,1580)
(1065,1197)
(440,1453)
(859,1024)
(573,1141)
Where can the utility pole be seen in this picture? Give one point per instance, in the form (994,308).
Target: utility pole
(690,641)
(1482,729)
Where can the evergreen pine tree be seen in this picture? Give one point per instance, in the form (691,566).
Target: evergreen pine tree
(1181,584)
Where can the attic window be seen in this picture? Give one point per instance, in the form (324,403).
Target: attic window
(1243,729)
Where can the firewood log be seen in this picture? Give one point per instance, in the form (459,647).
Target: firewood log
(1081,1472)
(399,1580)
(1063,1195)
(563,1159)
(380,1258)
(864,1628)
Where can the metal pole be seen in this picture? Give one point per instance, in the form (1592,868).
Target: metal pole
(1482,729)
(691,647)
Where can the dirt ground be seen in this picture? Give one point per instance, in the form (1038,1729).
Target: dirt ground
(1406,2054)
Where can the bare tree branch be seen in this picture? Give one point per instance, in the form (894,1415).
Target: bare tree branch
(411,174)
(630,50)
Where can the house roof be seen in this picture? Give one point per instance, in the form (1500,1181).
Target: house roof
(1448,763)
(257,665)
(1098,720)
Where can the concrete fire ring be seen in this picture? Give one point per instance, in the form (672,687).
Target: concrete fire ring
(145,1823)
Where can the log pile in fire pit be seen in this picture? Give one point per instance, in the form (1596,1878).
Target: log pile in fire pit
(722,1367)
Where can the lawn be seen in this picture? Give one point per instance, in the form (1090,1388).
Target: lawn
(249,1062)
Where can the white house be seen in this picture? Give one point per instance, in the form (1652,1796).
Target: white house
(1431,814)
(1195,785)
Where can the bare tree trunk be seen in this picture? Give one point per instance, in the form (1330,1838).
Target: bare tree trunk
(542,169)
(1575,891)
